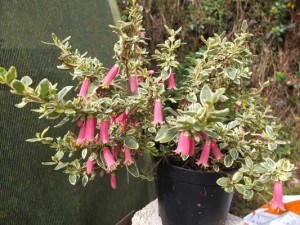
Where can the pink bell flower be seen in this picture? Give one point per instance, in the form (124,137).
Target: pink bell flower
(89,166)
(133,84)
(203,135)
(171,81)
(112,73)
(122,119)
(204,155)
(116,151)
(277,201)
(183,146)
(104,127)
(128,160)
(111,164)
(113,181)
(84,88)
(90,129)
(81,136)
(79,122)
(216,151)
(192,147)
(158,113)
(150,72)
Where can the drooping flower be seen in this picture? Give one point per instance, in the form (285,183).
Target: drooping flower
(89,166)
(112,119)
(90,129)
(104,127)
(192,147)
(133,84)
(135,123)
(117,150)
(203,136)
(112,73)
(81,136)
(183,147)
(84,88)
(79,122)
(128,160)
(101,174)
(158,113)
(111,164)
(203,160)
(122,119)
(113,181)
(216,151)
(150,72)
(171,81)
(277,201)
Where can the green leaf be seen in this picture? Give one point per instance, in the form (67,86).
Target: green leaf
(217,95)
(83,153)
(228,161)
(191,97)
(49,163)
(76,164)
(22,104)
(222,181)
(270,131)
(230,72)
(26,80)
(133,170)
(165,74)
(240,188)
(43,88)
(64,120)
(249,162)
(264,178)
(232,124)
(248,194)
(244,26)
(222,112)
(237,177)
(59,155)
(60,165)
(234,153)
(205,94)
(131,142)
(148,178)
(18,86)
(150,144)
(72,179)
(60,95)
(229,189)
(169,135)
(272,146)
(11,74)
(161,133)
(84,180)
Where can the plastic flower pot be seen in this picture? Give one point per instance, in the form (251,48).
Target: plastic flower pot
(190,197)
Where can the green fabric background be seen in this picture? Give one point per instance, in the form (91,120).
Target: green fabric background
(31,193)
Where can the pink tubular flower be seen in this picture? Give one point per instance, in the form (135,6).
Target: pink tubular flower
(112,73)
(158,113)
(277,201)
(79,122)
(113,181)
(150,72)
(128,160)
(204,155)
(122,119)
(135,123)
(192,147)
(90,129)
(171,81)
(216,151)
(109,160)
(112,119)
(203,135)
(84,88)
(81,136)
(133,84)
(89,166)
(183,146)
(104,127)
(117,150)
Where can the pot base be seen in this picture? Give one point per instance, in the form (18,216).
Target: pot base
(187,197)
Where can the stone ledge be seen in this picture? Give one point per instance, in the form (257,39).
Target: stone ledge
(149,216)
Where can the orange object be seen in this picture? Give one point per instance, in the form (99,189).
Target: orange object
(290,206)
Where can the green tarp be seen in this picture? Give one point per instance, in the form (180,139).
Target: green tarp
(31,193)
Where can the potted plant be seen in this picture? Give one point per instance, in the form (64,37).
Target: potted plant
(212,125)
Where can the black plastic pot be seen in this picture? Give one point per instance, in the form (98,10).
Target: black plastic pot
(187,197)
